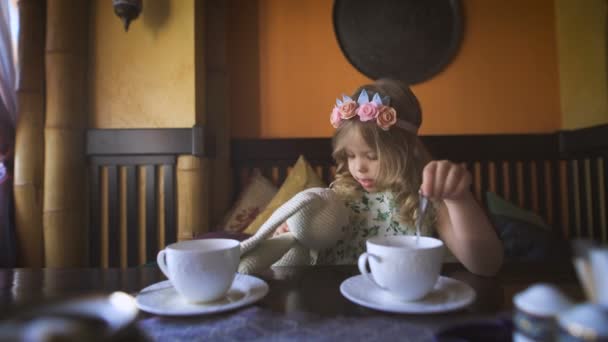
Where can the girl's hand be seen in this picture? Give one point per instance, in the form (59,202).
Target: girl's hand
(442,179)
(284,228)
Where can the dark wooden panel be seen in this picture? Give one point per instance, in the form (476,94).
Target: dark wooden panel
(326,175)
(95,217)
(556,200)
(315,150)
(604,212)
(151,214)
(492,147)
(595,200)
(132,216)
(471,167)
(114,217)
(583,198)
(146,141)
(541,188)
(267,171)
(527,184)
(572,198)
(485,179)
(133,160)
(458,148)
(585,141)
(170,200)
(276,150)
(513,179)
(500,184)
(282,173)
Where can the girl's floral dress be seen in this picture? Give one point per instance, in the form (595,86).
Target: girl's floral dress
(373,214)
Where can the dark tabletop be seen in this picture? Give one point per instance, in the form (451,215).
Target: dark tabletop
(297,294)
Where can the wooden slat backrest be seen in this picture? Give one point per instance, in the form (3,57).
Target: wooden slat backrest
(561,176)
(113,176)
(586,152)
(132,191)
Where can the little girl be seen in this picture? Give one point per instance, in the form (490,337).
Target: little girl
(383,168)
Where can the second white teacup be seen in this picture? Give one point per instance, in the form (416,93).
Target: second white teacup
(405,268)
(201,270)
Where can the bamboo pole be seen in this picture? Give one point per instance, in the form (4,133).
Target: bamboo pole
(64,203)
(192,197)
(29,144)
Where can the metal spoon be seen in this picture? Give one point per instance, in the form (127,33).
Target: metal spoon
(423,202)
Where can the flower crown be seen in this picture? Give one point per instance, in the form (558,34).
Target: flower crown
(377,109)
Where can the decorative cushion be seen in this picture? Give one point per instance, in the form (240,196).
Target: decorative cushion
(499,206)
(253,199)
(301,177)
(524,234)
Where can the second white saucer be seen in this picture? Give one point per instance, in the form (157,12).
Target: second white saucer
(448,294)
(162,298)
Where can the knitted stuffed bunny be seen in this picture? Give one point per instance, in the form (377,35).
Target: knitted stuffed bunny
(317,219)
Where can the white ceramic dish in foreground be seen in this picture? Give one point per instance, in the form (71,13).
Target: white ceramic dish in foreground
(448,294)
(162,299)
(101,316)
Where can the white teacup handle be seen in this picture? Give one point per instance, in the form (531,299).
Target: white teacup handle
(362,263)
(161,260)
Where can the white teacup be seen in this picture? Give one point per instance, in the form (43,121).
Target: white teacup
(599,265)
(405,268)
(201,270)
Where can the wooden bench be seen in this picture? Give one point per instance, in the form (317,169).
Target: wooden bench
(561,176)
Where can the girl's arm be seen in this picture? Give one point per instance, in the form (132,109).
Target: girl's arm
(467,232)
(461,222)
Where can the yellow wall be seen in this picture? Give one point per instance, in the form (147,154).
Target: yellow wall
(581,31)
(504,79)
(286,68)
(144,77)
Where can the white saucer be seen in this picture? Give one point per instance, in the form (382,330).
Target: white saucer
(162,299)
(447,295)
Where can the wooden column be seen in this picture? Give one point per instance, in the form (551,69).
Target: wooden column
(29,142)
(202,183)
(214,89)
(192,197)
(64,209)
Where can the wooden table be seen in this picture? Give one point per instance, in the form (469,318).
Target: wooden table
(300,290)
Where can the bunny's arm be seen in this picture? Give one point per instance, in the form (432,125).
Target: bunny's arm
(266,253)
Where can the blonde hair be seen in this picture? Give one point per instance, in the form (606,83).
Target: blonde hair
(401,154)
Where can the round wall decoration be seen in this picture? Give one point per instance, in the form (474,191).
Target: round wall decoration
(409,40)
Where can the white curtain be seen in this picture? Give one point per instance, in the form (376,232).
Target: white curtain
(8,119)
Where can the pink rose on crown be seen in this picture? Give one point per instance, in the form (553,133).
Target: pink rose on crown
(387,117)
(335,117)
(347,109)
(368,111)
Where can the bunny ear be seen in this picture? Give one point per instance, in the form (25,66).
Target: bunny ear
(386,101)
(376,99)
(363,97)
(280,215)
